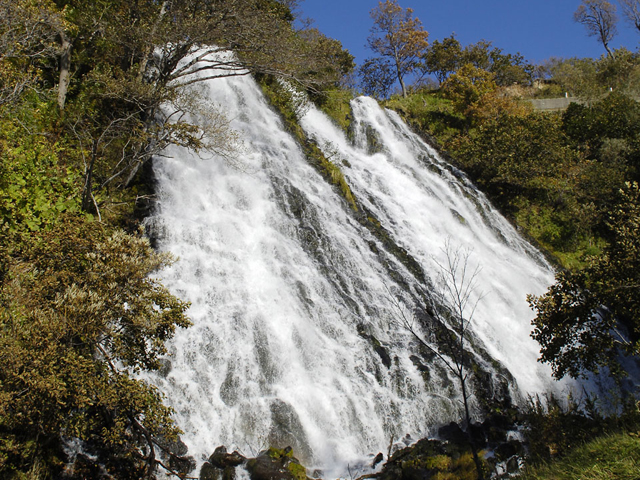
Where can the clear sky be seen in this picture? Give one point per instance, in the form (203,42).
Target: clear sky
(537,29)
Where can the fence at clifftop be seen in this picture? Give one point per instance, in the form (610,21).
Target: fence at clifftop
(554,104)
(561,103)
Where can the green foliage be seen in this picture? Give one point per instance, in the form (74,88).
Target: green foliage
(576,76)
(578,320)
(555,427)
(330,62)
(615,116)
(336,103)
(121,59)
(467,86)
(615,457)
(621,72)
(446,57)
(515,154)
(443,57)
(506,68)
(35,186)
(429,112)
(591,78)
(557,430)
(79,313)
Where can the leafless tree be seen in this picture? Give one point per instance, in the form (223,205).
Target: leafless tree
(454,308)
(631,11)
(600,19)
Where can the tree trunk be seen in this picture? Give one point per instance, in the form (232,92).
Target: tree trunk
(404,89)
(148,50)
(87,193)
(609,52)
(65,70)
(396,59)
(467,418)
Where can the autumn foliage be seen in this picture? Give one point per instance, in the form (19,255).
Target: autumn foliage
(399,37)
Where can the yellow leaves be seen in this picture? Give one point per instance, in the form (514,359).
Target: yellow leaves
(399,36)
(78,306)
(493,105)
(467,86)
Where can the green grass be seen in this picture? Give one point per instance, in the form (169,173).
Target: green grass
(609,457)
(429,112)
(336,104)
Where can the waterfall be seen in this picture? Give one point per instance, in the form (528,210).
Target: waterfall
(294,301)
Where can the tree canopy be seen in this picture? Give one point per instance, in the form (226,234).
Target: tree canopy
(588,317)
(80,313)
(445,57)
(398,36)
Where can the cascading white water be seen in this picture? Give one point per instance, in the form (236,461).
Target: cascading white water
(294,340)
(423,201)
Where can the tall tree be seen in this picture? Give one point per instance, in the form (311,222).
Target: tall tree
(599,18)
(397,35)
(631,11)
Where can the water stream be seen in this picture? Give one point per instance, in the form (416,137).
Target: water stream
(295,301)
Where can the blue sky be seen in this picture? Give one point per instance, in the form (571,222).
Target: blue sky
(537,29)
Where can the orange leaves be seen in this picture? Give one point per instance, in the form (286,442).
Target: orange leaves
(398,36)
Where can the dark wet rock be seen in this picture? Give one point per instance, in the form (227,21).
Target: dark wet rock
(383,354)
(230,386)
(455,434)
(84,467)
(509,449)
(165,367)
(478,436)
(418,363)
(374,145)
(174,454)
(424,460)
(182,465)
(513,465)
(451,455)
(379,457)
(381,350)
(221,465)
(498,420)
(287,429)
(221,459)
(496,428)
(317,473)
(209,472)
(276,464)
(452,433)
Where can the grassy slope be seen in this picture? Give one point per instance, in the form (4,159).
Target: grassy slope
(609,457)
